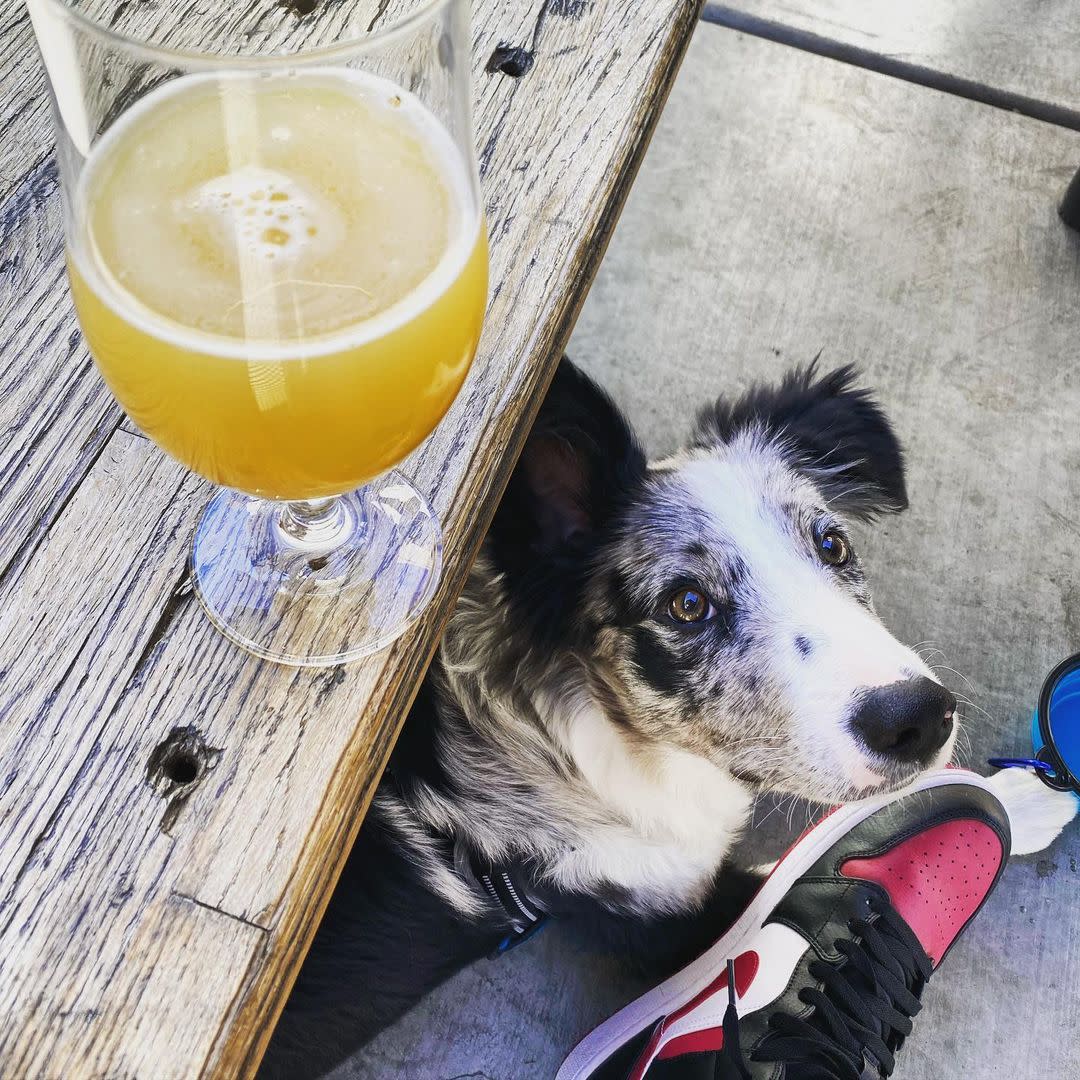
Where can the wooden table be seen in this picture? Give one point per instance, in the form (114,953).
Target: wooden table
(174,813)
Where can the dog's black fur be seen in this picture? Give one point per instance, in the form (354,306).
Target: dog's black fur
(838,433)
(388,937)
(387,940)
(581,466)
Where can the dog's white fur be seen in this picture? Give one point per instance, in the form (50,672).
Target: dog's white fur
(680,813)
(1037,814)
(853,652)
(683,815)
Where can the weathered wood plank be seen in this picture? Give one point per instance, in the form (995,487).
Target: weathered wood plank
(101,862)
(44,368)
(84,642)
(250,26)
(25,137)
(55,413)
(1008,47)
(87,645)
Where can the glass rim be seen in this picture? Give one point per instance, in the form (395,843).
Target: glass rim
(357,44)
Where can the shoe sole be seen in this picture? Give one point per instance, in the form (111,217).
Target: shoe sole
(674,992)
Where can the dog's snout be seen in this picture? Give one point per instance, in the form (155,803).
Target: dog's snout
(907,721)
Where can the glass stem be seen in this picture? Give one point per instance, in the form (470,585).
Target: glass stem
(316,524)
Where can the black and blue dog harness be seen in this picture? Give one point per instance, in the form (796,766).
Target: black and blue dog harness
(510,886)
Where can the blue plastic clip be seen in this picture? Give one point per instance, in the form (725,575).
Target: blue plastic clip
(512,941)
(1019,763)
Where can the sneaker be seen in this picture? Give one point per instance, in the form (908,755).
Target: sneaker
(822,974)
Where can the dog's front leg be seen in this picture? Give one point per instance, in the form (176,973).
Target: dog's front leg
(1037,814)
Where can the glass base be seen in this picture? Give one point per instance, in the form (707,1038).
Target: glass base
(319,583)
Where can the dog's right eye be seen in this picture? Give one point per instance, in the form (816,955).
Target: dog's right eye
(833,548)
(690,606)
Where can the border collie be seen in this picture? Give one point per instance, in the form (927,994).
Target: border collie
(640,651)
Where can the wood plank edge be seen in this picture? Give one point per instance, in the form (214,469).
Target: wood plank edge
(242,1042)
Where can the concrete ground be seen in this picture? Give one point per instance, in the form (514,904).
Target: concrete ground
(792,204)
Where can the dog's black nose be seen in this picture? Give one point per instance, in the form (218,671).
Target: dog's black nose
(907,721)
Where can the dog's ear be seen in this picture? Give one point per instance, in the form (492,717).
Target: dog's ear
(834,432)
(580,463)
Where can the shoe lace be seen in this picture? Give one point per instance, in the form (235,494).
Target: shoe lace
(863,1006)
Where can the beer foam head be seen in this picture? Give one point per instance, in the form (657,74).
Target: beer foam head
(261,215)
(275,216)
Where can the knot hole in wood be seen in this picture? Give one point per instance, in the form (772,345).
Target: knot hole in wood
(180,761)
(511,60)
(300,7)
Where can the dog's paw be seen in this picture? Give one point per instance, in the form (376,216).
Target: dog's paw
(1037,814)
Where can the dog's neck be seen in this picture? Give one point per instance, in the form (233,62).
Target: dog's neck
(663,818)
(665,792)
(534,769)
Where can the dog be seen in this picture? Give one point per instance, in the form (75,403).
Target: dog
(641,649)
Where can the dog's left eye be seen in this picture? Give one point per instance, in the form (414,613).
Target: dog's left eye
(833,549)
(690,606)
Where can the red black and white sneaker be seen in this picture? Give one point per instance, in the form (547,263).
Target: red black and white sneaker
(821,976)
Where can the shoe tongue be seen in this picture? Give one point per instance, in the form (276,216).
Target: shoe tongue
(937,879)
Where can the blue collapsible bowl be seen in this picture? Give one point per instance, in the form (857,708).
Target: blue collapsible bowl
(1055,726)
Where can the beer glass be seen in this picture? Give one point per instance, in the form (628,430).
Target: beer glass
(277,254)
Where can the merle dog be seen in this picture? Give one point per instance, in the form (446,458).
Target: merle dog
(640,650)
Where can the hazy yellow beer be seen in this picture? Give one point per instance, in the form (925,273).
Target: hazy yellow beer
(281,278)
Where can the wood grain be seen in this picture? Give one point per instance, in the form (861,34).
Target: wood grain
(149,930)
(25,136)
(54,411)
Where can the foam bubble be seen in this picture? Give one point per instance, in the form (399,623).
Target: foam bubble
(229,206)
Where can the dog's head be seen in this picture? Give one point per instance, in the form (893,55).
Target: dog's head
(715,599)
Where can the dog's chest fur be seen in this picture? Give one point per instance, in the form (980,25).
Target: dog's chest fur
(676,814)
(532,769)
